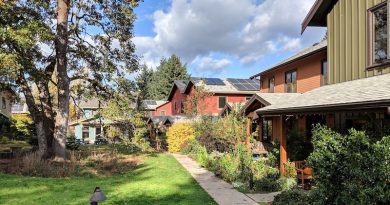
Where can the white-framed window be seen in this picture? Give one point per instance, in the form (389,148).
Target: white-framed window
(162,112)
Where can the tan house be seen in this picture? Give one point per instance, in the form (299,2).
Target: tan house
(6,100)
(357,87)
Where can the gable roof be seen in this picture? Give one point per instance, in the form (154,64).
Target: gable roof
(317,14)
(162,120)
(314,49)
(182,85)
(90,103)
(228,107)
(372,92)
(268,99)
(154,104)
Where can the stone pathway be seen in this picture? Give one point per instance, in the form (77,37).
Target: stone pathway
(222,192)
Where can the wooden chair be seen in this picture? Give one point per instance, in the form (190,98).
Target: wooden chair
(303,171)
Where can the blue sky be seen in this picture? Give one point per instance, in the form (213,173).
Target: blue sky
(222,38)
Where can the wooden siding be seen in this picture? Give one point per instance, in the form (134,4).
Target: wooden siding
(347,41)
(308,74)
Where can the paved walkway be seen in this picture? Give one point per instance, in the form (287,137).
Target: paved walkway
(222,192)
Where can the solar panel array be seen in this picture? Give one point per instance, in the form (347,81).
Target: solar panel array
(245,84)
(213,81)
(150,102)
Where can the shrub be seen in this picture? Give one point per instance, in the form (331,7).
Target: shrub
(71,143)
(294,196)
(357,168)
(286,183)
(179,137)
(126,148)
(4,140)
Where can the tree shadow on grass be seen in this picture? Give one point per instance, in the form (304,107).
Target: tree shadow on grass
(157,181)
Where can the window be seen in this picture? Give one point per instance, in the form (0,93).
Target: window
(162,112)
(4,103)
(271,85)
(182,107)
(221,102)
(85,132)
(175,106)
(267,130)
(378,35)
(324,72)
(291,81)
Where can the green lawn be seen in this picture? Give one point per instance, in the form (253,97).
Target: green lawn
(159,180)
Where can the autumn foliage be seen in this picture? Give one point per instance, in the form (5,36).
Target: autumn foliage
(179,136)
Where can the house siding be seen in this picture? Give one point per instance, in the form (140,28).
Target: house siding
(308,74)
(167,107)
(347,41)
(177,97)
(8,104)
(209,106)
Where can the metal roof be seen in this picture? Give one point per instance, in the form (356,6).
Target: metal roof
(362,93)
(153,104)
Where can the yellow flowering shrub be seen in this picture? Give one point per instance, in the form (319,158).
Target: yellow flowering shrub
(179,136)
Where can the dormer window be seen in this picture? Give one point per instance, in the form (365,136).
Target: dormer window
(378,35)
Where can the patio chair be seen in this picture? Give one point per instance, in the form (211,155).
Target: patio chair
(303,171)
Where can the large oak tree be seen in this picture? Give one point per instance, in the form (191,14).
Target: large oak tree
(44,43)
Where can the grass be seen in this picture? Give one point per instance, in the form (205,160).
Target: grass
(159,180)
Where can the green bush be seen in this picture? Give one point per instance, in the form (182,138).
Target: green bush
(71,143)
(125,148)
(286,183)
(349,169)
(4,140)
(293,196)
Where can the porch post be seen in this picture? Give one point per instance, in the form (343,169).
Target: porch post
(260,129)
(248,133)
(283,144)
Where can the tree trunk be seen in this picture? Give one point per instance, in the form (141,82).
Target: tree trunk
(61,44)
(38,118)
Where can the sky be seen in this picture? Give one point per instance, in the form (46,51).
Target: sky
(222,38)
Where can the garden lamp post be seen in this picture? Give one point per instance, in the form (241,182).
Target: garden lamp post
(97,196)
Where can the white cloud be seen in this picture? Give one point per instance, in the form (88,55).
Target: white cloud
(210,65)
(246,30)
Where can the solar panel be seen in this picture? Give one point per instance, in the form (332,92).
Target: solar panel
(245,84)
(150,102)
(213,81)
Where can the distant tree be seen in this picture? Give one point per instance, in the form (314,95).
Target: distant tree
(143,81)
(167,72)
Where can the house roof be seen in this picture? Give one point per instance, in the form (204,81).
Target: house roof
(153,104)
(181,85)
(317,14)
(165,119)
(268,99)
(90,103)
(229,107)
(372,92)
(318,47)
(226,88)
